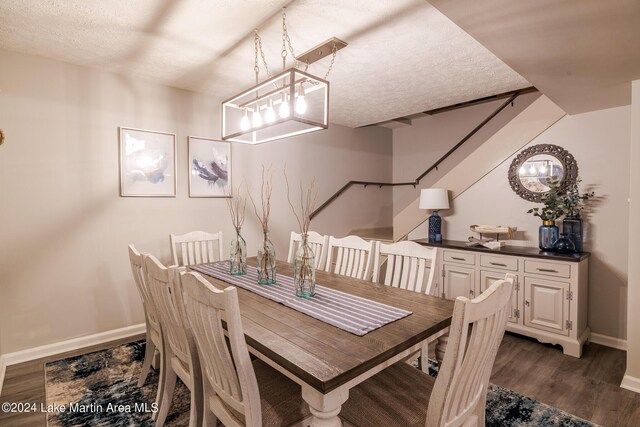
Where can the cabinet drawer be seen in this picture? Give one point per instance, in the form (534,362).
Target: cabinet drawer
(547,268)
(463,258)
(501,262)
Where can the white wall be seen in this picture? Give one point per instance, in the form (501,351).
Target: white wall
(417,147)
(600,143)
(64,269)
(632,377)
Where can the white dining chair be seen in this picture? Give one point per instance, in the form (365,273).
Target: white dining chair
(406,265)
(353,256)
(318,245)
(181,357)
(153,342)
(404,396)
(237,391)
(196,247)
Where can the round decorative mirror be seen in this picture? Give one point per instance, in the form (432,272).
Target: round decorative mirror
(530,170)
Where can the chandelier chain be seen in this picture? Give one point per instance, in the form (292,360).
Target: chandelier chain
(334,52)
(286,43)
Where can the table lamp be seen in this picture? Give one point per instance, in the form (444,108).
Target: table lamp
(434,199)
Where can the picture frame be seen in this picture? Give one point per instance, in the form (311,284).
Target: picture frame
(209,167)
(148,166)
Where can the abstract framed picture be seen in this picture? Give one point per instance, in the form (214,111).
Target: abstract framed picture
(209,167)
(147,163)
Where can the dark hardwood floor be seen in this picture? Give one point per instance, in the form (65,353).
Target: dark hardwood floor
(586,387)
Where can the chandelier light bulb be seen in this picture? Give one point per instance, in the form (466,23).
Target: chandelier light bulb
(543,169)
(522,170)
(244,123)
(301,103)
(284,107)
(532,170)
(257,118)
(270,114)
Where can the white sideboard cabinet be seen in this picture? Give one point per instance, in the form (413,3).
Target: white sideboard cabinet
(549,300)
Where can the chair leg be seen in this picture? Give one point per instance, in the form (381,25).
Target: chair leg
(149,352)
(210,419)
(161,384)
(424,358)
(167,394)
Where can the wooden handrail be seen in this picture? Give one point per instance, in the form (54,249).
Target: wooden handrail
(416,182)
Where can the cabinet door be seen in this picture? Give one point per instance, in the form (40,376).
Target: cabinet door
(458,281)
(546,305)
(488,277)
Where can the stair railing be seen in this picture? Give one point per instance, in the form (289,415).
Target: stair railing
(416,182)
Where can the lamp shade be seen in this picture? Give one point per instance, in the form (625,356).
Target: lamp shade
(434,198)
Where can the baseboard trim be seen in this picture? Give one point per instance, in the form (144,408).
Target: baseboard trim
(608,341)
(65,346)
(3,369)
(631,383)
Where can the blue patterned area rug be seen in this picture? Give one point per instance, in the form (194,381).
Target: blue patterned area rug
(100,389)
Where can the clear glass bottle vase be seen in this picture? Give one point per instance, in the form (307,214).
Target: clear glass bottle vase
(238,256)
(304,270)
(266,262)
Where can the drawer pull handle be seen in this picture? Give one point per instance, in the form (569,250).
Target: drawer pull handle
(547,270)
(526,303)
(499,264)
(458,258)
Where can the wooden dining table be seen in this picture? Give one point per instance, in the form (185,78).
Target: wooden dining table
(327,361)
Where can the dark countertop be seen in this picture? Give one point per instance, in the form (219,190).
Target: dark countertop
(508,250)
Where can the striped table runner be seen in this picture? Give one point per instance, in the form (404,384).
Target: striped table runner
(348,312)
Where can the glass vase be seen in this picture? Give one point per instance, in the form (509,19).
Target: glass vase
(547,235)
(563,245)
(304,270)
(238,256)
(266,262)
(572,227)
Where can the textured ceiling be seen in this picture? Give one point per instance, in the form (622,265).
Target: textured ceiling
(583,54)
(403,57)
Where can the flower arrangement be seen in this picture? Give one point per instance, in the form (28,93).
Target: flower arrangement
(238,255)
(573,201)
(267,252)
(304,275)
(554,203)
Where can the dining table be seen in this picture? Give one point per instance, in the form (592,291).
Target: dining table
(325,360)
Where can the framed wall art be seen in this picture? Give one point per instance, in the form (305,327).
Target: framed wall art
(209,167)
(147,163)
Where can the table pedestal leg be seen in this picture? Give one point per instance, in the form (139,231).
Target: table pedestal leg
(325,407)
(441,346)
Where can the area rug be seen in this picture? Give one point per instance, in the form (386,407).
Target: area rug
(100,389)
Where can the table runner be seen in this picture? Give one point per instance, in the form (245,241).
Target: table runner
(350,313)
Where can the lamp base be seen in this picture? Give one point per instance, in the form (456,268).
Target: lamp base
(435,228)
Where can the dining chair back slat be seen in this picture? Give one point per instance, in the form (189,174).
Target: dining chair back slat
(353,256)
(478,325)
(196,247)
(406,264)
(181,356)
(318,245)
(152,322)
(228,374)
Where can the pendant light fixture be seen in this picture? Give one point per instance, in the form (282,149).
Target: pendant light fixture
(290,103)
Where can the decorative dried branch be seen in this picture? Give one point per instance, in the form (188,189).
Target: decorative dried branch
(308,199)
(265,198)
(237,207)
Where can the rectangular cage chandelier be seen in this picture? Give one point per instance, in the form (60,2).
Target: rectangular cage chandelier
(291,103)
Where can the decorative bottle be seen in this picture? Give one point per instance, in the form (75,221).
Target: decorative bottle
(304,270)
(238,256)
(572,227)
(266,262)
(547,235)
